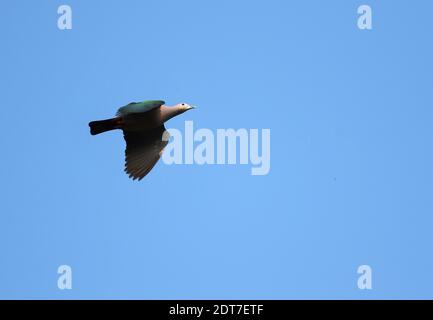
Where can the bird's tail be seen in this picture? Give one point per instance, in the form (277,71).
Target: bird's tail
(97,127)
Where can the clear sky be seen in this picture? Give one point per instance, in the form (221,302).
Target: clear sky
(351,179)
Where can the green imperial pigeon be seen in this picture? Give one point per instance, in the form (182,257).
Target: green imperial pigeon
(144,132)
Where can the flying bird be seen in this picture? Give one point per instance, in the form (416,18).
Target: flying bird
(144,132)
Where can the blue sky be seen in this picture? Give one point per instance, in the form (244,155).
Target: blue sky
(351,177)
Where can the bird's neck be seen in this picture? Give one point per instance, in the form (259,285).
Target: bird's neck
(169,112)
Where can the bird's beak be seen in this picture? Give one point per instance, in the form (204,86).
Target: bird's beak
(192,107)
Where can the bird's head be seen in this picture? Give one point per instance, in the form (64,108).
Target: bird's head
(184,107)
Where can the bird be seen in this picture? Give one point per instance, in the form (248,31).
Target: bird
(144,132)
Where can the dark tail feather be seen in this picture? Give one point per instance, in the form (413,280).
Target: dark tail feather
(97,127)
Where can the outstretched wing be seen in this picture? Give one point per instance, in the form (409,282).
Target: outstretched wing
(139,107)
(143,150)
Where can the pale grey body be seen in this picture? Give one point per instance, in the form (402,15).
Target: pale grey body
(137,122)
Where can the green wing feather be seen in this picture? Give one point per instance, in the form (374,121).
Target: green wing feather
(139,107)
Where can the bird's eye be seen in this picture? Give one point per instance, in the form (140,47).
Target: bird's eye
(183,104)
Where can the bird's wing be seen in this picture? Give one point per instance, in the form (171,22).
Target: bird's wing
(143,150)
(139,107)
